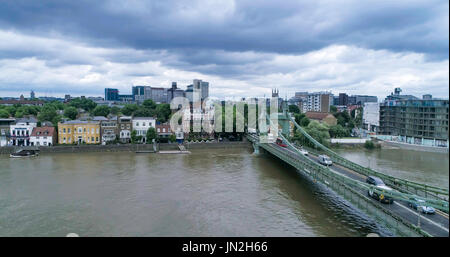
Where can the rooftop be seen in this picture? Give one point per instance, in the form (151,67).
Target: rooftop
(43,131)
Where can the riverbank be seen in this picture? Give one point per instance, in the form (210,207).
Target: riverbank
(406,146)
(130,147)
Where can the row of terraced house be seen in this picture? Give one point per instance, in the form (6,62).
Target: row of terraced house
(98,130)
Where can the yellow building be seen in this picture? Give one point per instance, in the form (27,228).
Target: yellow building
(78,132)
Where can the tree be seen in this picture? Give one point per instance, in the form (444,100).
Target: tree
(48,113)
(129,109)
(151,134)
(304,122)
(144,112)
(163,112)
(85,104)
(316,130)
(338,131)
(149,104)
(4,114)
(294,108)
(172,138)
(134,138)
(71,112)
(101,110)
(115,110)
(333,109)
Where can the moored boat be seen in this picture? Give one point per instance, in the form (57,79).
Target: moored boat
(24,153)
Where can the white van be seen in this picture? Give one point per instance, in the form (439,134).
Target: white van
(325,160)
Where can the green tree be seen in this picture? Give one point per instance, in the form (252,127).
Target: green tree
(316,130)
(85,104)
(369,145)
(115,110)
(134,138)
(129,109)
(151,134)
(71,112)
(144,112)
(172,138)
(101,110)
(333,109)
(48,113)
(149,104)
(4,114)
(163,112)
(294,108)
(338,131)
(304,122)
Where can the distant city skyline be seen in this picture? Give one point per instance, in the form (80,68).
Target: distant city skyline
(243,48)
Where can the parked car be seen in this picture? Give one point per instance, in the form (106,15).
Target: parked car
(377,182)
(325,160)
(280,142)
(420,205)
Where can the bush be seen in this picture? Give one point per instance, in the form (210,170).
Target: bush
(369,145)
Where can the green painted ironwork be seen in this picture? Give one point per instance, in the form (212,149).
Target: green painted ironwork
(423,190)
(342,184)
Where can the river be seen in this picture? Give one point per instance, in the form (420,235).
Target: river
(211,192)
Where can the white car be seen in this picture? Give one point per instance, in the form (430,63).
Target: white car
(325,160)
(303,151)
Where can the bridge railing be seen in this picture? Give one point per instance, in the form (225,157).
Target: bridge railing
(404,185)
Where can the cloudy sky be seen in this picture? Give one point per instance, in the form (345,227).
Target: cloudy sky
(243,48)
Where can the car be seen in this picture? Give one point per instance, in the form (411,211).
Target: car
(377,182)
(325,160)
(420,205)
(280,142)
(303,151)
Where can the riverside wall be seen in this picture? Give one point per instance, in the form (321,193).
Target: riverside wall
(129,147)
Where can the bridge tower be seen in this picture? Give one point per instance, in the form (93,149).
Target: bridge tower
(283,119)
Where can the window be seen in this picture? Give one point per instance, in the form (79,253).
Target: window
(84,130)
(137,123)
(80,130)
(70,139)
(68,130)
(96,139)
(143,124)
(64,130)
(158,130)
(97,130)
(92,139)
(92,131)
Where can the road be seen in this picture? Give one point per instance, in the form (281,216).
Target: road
(435,224)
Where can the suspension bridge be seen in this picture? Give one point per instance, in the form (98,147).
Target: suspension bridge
(348,180)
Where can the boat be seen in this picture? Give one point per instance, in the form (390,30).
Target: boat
(24,153)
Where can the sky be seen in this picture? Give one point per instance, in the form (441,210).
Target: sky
(242,48)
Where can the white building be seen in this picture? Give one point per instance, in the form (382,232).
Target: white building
(313,102)
(371,116)
(43,136)
(21,131)
(5,130)
(142,124)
